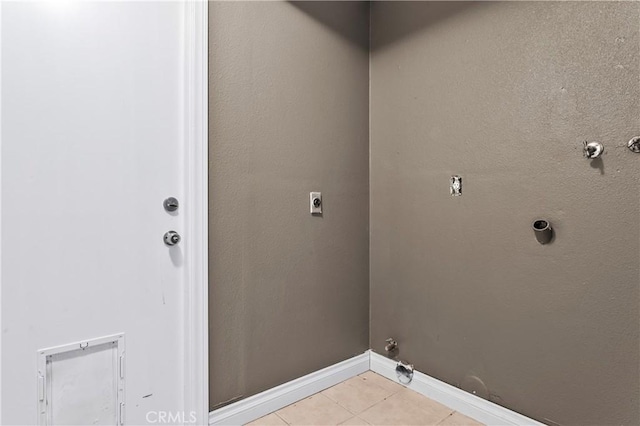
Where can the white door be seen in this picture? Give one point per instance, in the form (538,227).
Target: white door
(92,134)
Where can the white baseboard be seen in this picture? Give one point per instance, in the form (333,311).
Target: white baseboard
(470,405)
(254,407)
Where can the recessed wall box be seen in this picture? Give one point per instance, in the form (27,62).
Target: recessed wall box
(315,202)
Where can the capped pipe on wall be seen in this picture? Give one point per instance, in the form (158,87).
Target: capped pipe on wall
(543,231)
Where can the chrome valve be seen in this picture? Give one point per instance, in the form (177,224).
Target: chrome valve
(593,150)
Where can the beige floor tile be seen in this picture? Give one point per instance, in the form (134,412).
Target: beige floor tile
(315,410)
(357,394)
(404,408)
(457,419)
(383,382)
(425,403)
(268,420)
(355,421)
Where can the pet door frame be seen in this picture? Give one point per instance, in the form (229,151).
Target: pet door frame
(44,388)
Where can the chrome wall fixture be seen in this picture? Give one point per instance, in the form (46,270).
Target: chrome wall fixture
(404,372)
(593,150)
(391,345)
(634,144)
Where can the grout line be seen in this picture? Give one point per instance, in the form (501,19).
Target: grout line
(369,383)
(451,414)
(278,416)
(342,406)
(362,420)
(394,392)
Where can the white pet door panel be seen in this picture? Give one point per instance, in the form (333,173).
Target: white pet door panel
(82,383)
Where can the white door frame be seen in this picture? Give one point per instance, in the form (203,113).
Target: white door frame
(196,340)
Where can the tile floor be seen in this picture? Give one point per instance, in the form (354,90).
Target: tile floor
(368,399)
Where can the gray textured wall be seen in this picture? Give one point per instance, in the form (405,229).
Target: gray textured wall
(503,94)
(289,293)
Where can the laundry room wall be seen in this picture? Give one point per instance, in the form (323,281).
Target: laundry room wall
(503,94)
(289,96)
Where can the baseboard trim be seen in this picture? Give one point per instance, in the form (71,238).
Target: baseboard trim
(254,407)
(470,405)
